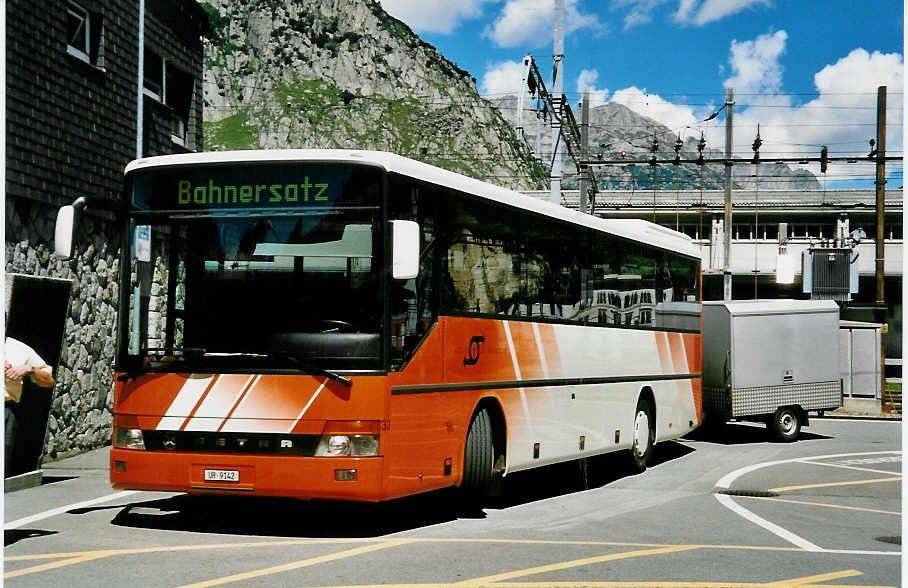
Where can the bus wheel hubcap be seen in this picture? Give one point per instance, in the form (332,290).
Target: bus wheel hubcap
(641,433)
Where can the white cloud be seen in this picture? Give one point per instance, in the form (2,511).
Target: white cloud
(435,16)
(701,12)
(842,116)
(685,8)
(756,64)
(529,23)
(586,82)
(640,13)
(502,78)
(677,117)
(690,12)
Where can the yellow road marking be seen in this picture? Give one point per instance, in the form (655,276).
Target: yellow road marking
(831,484)
(838,506)
(655,584)
(574,563)
(77,557)
(55,564)
(807,580)
(290,542)
(72,558)
(625,584)
(298,564)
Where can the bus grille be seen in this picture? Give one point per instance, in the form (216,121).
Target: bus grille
(237,443)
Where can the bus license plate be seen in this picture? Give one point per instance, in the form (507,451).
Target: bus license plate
(222,475)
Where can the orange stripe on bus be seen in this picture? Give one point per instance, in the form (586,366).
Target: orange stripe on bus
(693,348)
(552,353)
(679,359)
(662,350)
(527,351)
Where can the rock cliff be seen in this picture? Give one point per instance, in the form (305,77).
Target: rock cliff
(345,74)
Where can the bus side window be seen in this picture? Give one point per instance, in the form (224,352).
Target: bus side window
(413,306)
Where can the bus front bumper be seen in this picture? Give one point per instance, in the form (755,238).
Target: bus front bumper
(339,478)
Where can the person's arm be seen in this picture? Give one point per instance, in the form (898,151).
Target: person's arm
(42,376)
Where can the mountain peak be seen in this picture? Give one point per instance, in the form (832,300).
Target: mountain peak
(619,133)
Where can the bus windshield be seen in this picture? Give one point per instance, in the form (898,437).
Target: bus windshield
(245,286)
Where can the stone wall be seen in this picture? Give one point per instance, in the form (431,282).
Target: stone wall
(80,417)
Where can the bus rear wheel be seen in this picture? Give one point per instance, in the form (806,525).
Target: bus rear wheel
(478,458)
(644,436)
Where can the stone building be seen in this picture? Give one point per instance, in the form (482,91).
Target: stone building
(91,85)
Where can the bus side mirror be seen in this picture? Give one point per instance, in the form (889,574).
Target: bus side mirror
(404,249)
(63,232)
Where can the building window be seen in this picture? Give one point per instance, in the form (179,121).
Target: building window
(78,31)
(168,85)
(154,76)
(178,130)
(84,34)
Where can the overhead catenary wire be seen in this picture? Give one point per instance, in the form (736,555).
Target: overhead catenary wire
(473,101)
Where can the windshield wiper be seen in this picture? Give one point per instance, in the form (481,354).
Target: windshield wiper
(297,363)
(158,357)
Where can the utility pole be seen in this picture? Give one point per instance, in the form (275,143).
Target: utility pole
(880,305)
(557,91)
(880,190)
(729,107)
(520,95)
(756,147)
(654,148)
(679,144)
(584,151)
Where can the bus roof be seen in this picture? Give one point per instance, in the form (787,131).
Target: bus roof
(632,229)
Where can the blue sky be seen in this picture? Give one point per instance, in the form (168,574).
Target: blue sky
(807,71)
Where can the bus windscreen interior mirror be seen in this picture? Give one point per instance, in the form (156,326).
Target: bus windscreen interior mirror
(405,249)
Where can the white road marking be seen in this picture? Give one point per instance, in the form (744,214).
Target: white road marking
(875,421)
(727,479)
(773,528)
(845,467)
(873,460)
(60,510)
(727,501)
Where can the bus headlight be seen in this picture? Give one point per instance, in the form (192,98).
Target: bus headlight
(125,438)
(347,446)
(349,439)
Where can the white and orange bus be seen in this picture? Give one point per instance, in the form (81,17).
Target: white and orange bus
(361,326)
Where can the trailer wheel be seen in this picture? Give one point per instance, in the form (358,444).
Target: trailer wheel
(478,458)
(644,436)
(786,423)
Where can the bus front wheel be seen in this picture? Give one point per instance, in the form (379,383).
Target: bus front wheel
(644,436)
(478,458)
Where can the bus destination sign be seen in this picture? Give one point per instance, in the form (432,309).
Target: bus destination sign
(212,193)
(255,187)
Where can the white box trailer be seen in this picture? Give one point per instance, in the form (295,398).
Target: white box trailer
(771,361)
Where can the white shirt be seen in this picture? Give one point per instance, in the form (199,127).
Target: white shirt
(17,353)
